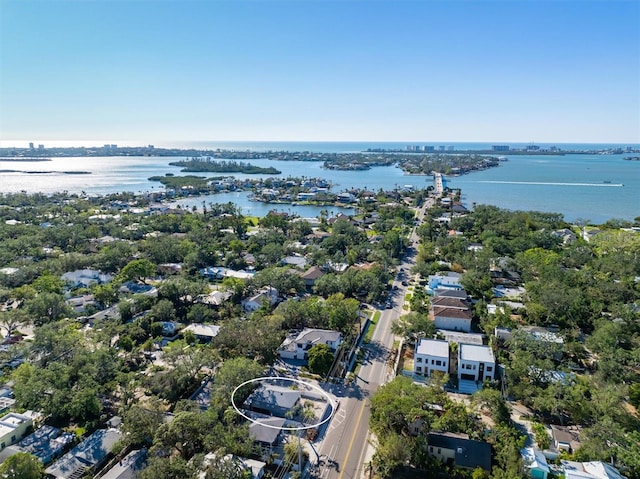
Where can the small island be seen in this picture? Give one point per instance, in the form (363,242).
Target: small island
(198,165)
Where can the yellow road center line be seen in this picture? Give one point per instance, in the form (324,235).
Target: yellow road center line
(353,438)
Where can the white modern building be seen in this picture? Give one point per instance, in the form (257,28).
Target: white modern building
(431,355)
(13,427)
(476,363)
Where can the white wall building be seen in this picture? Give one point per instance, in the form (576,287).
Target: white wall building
(13,427)
(476,363)
(431,355)
(452,319)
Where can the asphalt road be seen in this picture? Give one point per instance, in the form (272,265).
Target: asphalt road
(344,446)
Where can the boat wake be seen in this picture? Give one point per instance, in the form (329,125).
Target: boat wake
(615,185)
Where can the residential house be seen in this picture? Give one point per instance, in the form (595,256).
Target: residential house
(256,469)
(83,278)
(445,279)
(13,427)
(214,299)
(297,345)
(266,295)
(476,363)
(449,302)
(6,403)
(590,470)
(203,332)
(459,337)
(587,235)
(346,197)
(295,261)
(82,302)
(566,235)
(431,355)
(452,319)
(46,443)
(87,456)
(267,434)
(311,275)
(214,272)
(128,466)
(450,293)
(565,438)
(273,400)
(535,462)
(459,451)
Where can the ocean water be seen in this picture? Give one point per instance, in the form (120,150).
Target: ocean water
(590,186)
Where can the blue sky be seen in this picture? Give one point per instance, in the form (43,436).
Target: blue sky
(152,71)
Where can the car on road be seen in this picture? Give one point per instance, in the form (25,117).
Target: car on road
(404,283)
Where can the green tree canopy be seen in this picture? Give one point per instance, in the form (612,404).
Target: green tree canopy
(22,465)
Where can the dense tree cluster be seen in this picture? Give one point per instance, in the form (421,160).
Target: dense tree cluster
(586,291)
(81,367)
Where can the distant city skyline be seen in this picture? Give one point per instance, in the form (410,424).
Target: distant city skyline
(369,71)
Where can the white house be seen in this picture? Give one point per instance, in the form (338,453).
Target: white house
(590,470)
(204,332)
(83,278)
(476,363)
(268,295)
(431,355)
(297,345)
(452,319)
(13,427)
(446,279)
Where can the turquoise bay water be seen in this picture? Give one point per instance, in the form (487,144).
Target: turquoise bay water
(593,187)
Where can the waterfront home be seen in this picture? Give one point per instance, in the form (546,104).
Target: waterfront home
(566,235)
(346,197)
(475,362)
(459,451)
(431,355)
(297,345)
